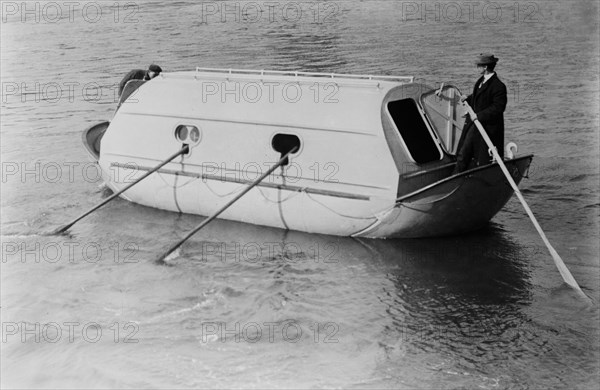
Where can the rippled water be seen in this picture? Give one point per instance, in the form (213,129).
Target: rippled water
(246,306)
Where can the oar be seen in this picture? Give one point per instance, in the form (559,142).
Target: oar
(562,268)
(232,201)
(116,194)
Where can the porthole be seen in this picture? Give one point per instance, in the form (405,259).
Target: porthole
(284,143)
(194,135)
(181,133)
(188,134)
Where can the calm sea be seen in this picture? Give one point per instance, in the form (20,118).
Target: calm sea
(247,306)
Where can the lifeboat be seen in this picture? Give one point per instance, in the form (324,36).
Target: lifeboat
(372,156)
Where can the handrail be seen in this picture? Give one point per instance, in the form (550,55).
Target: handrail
(406,79)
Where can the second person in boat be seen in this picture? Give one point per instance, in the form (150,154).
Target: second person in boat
(140,74)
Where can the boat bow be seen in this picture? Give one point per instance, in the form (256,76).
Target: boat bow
(454,205)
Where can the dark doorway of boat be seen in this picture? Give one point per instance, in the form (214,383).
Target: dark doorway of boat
(283,143)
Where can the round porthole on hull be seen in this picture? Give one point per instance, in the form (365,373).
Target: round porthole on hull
(283,143)
(181,133)
(188,134)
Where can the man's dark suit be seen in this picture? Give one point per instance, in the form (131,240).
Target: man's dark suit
(489,103)
(136,74)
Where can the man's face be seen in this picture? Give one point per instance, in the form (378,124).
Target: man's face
(481,69)
(152,74)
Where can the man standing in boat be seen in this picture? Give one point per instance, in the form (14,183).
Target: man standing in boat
(488,100)
(140,74)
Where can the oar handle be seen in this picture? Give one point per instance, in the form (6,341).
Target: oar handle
(226,206)
(116,194)
(562,268)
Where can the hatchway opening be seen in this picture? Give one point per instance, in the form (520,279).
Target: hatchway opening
(413,131)
(283,143)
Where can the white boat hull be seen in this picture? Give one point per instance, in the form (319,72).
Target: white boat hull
(352,175)
(454,205)
(289,207)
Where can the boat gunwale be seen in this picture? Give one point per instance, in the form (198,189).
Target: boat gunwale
(402,198)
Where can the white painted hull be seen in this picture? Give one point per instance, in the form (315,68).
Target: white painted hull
(459,204)
(295,208)
(349,177)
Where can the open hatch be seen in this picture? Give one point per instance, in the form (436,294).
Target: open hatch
(445,112)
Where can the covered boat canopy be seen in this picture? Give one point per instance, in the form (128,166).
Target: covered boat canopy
(368,124)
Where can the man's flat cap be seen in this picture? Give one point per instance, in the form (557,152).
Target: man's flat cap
(154,68)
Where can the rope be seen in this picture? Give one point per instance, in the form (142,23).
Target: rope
(224,195)
(343,215)
(191,179)
(293,194)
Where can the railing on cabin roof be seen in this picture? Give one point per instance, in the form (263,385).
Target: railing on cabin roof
(404,79)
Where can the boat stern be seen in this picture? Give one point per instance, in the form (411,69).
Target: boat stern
(91,138)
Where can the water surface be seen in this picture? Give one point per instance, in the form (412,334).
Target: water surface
(485,310)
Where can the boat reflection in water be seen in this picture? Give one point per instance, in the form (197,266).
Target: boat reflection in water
(420,277)
(381,300)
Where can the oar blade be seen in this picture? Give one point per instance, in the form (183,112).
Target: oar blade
(116,194)
(564,271)
(168,256)
(58,231)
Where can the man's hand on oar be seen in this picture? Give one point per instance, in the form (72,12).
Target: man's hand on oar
(161,259)
(64,228)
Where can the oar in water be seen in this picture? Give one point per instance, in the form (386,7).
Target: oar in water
(162,258)
(116,194)
(562,268)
